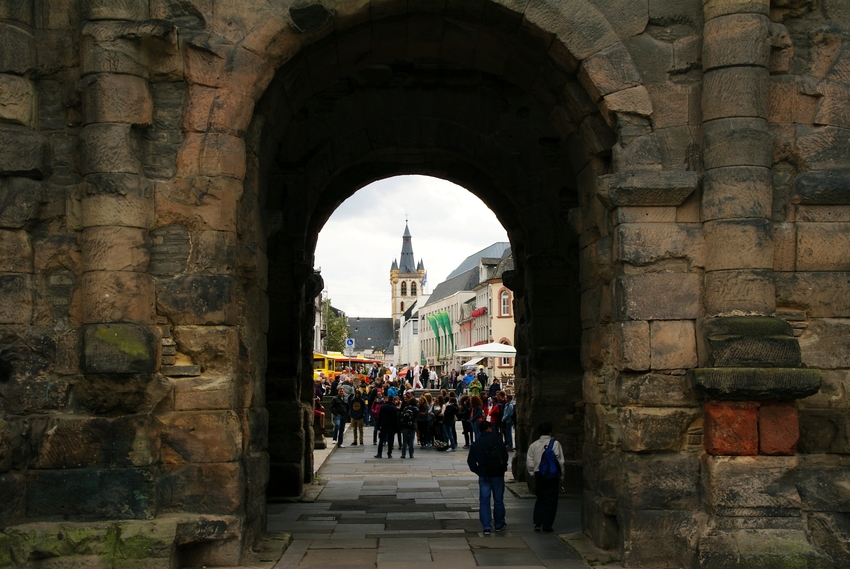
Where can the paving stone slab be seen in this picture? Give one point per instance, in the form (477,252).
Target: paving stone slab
(423,484)
(420,495)
(456,558)
(418,525)
(457,515)
(293,554)
(496,542)
(378,492)
(345,544)
(507,557)
(404,557)
(410,516)
(362,516)
(359,528)
(442,543)
(354,558)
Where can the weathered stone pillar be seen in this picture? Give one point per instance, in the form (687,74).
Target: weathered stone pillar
(737,190)
(116,199)
(749,370)
(23,161)
(641,413)
(24,155)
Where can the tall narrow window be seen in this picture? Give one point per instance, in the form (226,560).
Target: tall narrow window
(403,288)
(506,303)
(505,361)
(402,306)
(412,289)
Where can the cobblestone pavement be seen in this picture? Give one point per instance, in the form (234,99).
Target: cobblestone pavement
(413,514)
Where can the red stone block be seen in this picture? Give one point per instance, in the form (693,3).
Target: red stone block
(779,429)
(731,428)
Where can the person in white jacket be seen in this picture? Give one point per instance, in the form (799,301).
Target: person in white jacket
(546,505)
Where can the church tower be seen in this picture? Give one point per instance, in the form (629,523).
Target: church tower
(405,277)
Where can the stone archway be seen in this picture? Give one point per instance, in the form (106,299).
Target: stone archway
(161,203)
(324,128)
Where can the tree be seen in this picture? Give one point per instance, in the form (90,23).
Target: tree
(338,329)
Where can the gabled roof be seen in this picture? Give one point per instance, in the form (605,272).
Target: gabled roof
(496,250)
(408,314)
(371,333)
(464,281)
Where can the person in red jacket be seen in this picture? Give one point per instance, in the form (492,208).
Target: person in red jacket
(494,414)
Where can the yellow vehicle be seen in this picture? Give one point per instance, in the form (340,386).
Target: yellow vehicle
(334,363)
(324,363)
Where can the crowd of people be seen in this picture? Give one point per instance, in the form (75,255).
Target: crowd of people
(431,422)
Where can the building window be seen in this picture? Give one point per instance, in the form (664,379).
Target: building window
(403,289)
(402,307)
(506,362)
(505,303)
(415,326)
(412,289)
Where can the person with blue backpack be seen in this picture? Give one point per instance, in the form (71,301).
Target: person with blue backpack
(545,461)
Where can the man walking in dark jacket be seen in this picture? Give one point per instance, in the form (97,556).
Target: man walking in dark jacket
(387,426)
(488,458)
(482,377)
(357,412)
(339,408)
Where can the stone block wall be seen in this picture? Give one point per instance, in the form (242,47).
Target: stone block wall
(673,177)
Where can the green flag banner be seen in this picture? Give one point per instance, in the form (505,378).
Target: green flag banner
(446,322)
(432,320)
(451,334)
(441,321)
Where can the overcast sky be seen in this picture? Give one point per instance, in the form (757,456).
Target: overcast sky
(357,246)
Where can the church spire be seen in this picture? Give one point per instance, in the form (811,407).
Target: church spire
(407,264)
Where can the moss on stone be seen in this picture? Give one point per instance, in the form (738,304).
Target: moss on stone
(114,542)
(144,541)
(123,340)
(5,551)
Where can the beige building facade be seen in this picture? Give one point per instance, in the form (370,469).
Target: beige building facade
(492,314)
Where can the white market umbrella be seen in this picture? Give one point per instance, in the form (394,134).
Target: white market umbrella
(491,350)
(472,362)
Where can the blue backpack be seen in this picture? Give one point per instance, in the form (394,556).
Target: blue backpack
(550,468)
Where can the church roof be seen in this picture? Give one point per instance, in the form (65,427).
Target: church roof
(406,264)
(395,265)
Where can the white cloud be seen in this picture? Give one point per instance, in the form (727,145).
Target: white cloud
(357,245)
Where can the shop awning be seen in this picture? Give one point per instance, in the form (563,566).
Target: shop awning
(472,362)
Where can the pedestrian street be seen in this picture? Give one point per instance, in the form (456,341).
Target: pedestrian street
(413,514)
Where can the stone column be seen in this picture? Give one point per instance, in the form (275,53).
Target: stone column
(737,152)
(23,164)
(644,479)
(23,160)
(116,199)
(749,372)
